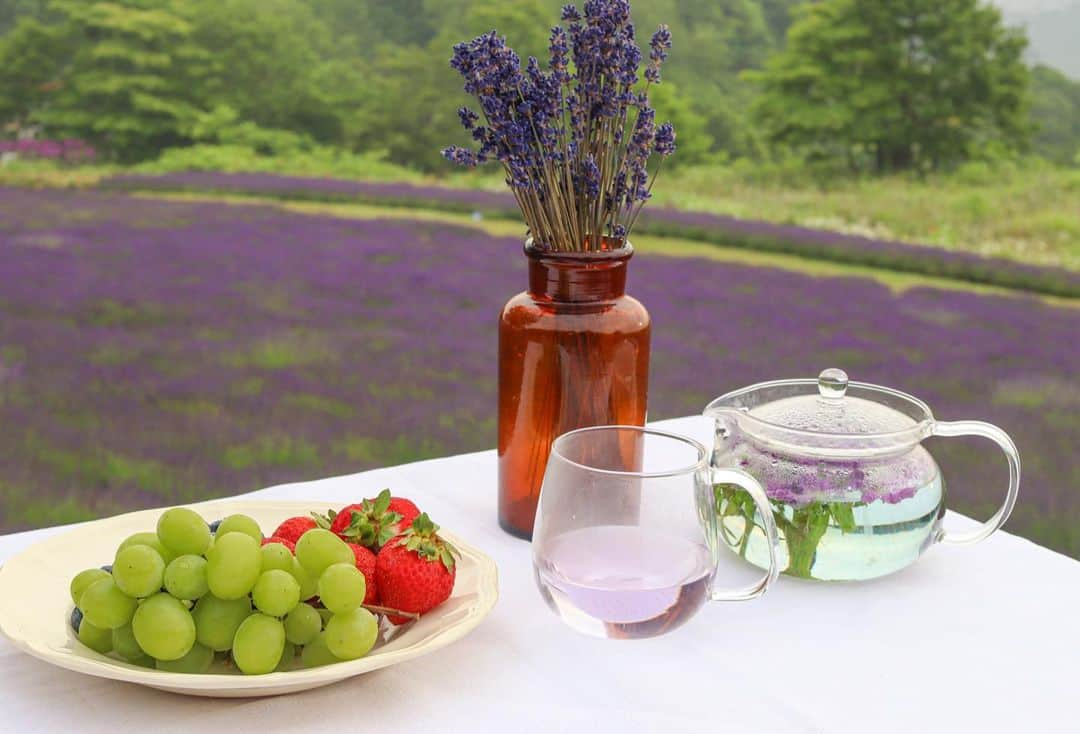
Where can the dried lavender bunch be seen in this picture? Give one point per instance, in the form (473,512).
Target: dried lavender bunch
(575,139)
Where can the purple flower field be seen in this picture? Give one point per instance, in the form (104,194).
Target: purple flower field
(722,230)
(157,352)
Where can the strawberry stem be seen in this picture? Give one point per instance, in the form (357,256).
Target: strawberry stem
(388,610)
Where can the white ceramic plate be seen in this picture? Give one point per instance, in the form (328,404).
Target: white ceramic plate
(35,605)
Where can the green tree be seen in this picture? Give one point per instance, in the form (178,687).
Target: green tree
(894,86)
(778,16)
(30,60)
(128,76)
(410,95)
(691,127)
(1055,111)
(12,11)
(525,23)
(403,21)
(265,62)
(409,107)
(354,32)
(714,41)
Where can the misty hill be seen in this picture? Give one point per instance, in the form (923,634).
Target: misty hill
(1053,31)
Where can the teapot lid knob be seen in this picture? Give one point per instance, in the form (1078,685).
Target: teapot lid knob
(832,384)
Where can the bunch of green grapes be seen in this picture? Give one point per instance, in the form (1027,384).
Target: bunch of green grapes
(179,598)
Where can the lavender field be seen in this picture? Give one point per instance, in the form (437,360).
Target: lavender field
(722,230)
(155,352)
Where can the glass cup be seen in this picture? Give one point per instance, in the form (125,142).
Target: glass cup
(626,540)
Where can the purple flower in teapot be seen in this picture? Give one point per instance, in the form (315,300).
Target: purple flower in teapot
(854,493)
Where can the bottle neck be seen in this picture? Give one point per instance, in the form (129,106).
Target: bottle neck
(578,277)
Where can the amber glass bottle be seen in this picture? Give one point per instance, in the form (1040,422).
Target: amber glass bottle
(573,352)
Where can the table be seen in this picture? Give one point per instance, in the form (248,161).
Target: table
(977,639)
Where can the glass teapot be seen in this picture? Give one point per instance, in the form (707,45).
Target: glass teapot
(853,493)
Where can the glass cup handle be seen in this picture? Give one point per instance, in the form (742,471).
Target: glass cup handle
(998,436)
(748,483)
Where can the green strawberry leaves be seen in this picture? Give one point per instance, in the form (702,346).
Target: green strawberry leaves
(381,504)
(373,526)
(422,526)
(422,538)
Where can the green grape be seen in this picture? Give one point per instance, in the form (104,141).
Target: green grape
(138,571)
(183,532)
(164,628)
(308,585)
(325,615)
(276,593)
(342,588)
(352,635)
(150,539)
(303,624)
(288,657)
(83,580)
(197,660)
(216,620)
(106,606)
(240,524)
(319,549)
(96,638)
(316,653)
(144,662)
(233,566)
(125,644)
(259,643)
(185,578)
(275,555)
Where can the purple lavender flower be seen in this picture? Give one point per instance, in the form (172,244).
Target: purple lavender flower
(468,118)
(665,139)
(658,53)
(788,495)
(461,156)
(560,50)
(590,178)
(641,146)
(897,496)
(591,132)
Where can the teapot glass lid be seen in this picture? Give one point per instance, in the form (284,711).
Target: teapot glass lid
(827,413)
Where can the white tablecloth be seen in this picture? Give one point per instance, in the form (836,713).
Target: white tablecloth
(981,639)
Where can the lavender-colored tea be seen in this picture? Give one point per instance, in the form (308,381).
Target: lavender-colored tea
(624,581)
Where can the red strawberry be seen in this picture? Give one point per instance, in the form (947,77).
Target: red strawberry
(415,571)
(343,519)
(293,528)
(283,541)
(406,508)
(372,522)
(365,562)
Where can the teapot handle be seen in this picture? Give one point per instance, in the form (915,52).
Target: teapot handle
(998,436)
(748,483)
